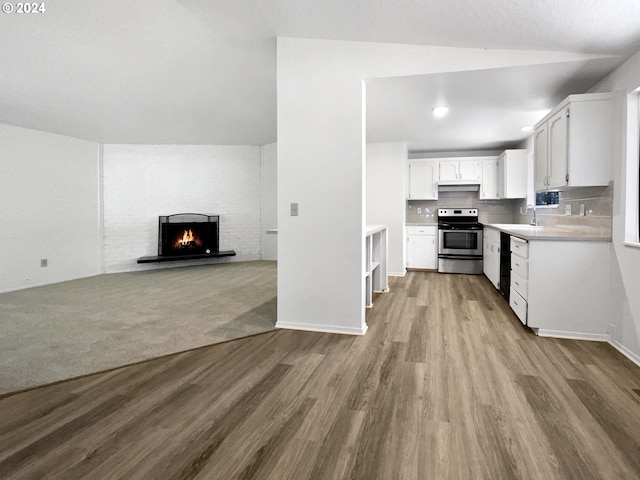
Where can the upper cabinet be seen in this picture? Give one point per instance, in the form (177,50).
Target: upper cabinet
(423,180)
(572,144)
(489,185)
(460,170)
(504,177)
(512,174)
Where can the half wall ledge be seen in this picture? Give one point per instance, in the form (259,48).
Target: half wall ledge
(198,256)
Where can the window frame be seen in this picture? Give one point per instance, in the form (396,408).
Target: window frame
(632,177)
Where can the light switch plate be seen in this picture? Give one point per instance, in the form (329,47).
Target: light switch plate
(294,209)
(567,209)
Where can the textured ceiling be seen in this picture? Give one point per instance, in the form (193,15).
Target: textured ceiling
(203,72)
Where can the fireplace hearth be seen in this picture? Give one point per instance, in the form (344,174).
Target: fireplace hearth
(187,236)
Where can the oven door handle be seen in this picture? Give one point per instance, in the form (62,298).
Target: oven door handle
(459,257)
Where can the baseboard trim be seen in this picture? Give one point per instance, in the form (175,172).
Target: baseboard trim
(594,337)
(625,351)
(397,274)
(321,328)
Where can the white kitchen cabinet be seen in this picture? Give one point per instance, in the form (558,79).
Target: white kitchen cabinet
(491,255)
(557,287)
(540,157)
(460,169)
(423,180)
(504,177)
(422,250)
(489,185)
(512,174)
(572,144)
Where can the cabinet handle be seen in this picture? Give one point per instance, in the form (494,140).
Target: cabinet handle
(517,283)
(516,303)
(517,264)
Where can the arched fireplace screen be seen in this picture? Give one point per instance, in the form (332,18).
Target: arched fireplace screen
(188,234)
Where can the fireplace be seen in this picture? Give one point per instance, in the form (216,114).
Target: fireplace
(186,234)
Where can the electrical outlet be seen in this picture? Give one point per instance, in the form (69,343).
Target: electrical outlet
(294,209)
(44,262)
(418,210)
(582,209)
(567,209)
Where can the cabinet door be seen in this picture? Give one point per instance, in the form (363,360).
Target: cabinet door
(448,170)
(423,181)
(501,176)
(558,149)
(489,187)
(421,251)
(491,258)
(541,158)
(494,269)
(512,174)
(470,170)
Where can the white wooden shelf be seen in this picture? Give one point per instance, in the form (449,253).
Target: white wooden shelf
(376,273)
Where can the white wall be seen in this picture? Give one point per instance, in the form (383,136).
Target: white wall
(386,172)
(321,165)
(142,182)
(49,206)
(625,271)
(269,217)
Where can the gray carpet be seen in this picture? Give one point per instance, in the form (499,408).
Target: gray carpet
(83,326)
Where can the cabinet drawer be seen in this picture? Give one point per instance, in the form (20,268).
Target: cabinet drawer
(520,285)
(520,247)
(518,305)
(421,230)
(520,266)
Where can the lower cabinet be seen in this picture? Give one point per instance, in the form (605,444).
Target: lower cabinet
(491,255)
(519,278)
(422,251)
(557,287)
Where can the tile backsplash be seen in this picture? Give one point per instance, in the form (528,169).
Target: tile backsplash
(598,211)
(597,201)
(489,211)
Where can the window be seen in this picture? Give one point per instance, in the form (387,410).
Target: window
(547,199)
(632,200)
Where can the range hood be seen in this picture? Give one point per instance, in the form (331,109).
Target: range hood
(458,186)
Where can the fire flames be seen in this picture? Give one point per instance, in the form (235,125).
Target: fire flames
(187,240)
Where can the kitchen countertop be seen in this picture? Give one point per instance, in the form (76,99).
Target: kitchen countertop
(528,232)
(421,224)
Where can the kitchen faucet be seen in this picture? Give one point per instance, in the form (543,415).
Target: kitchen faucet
(534,219)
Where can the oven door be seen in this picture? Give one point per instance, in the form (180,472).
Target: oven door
(460,242)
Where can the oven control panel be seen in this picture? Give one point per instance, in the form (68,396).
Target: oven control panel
(457,212)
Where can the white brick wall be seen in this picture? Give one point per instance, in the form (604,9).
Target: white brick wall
(142,182)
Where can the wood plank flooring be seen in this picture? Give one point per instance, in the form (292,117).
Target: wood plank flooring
(446,384)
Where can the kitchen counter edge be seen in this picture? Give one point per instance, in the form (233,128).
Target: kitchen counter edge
(550,233)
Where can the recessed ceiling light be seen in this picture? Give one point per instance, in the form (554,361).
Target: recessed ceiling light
(527,128)
(440,111)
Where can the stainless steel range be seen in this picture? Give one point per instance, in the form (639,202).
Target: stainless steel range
(459,241)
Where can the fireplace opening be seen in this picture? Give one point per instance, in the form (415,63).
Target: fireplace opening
(188,234)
